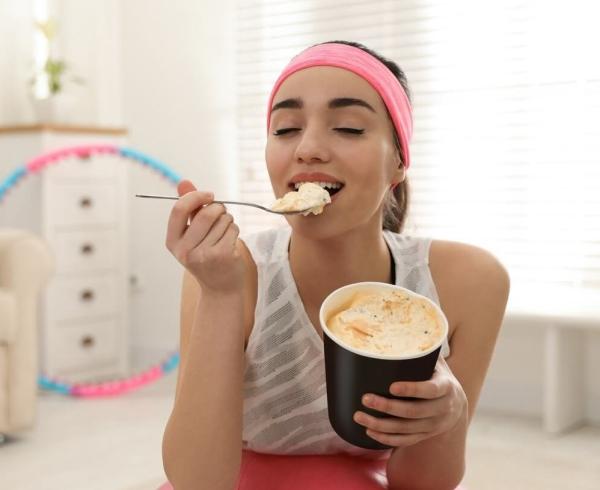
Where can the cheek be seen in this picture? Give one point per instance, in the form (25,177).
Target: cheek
(371,164)
(276,152)
(276,161)
(369,187)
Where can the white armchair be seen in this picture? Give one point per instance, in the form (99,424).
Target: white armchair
(26,264)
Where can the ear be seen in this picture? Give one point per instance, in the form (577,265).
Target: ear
(399,173)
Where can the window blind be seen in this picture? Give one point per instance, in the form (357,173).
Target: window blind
(506,96)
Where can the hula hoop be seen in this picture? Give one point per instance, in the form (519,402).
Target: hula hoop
(39,163)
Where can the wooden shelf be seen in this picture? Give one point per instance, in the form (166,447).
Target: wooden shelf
(62,128)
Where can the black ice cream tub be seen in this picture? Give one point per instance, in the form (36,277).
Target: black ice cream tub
(350,372)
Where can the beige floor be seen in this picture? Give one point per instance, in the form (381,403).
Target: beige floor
(115,444)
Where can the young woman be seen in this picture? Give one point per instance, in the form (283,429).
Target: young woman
(251,379)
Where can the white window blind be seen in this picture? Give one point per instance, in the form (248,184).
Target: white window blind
(506,96)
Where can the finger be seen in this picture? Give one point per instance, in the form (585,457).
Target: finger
(436,387)
(408,409)
(180,214)
(218,229)
(395,425)
(228,242)
(397,440)
(185,186)
(201,225)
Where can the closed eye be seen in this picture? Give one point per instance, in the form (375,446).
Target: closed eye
(282,131)
(350,130)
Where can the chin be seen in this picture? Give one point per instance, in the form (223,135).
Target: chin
(314,227)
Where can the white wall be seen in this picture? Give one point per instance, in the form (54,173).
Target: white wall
(15,49)
(178,84)
(90,39)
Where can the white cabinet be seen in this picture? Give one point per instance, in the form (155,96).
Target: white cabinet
(79,206)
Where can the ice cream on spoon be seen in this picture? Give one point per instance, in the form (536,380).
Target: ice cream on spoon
(309,196)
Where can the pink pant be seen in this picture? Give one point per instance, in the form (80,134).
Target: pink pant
(270,472)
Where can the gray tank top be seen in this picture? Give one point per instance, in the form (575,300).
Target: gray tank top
(285,402)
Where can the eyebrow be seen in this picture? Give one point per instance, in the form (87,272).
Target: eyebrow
(349,101)
(333,104)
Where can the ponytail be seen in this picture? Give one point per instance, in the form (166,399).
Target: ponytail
(395,207)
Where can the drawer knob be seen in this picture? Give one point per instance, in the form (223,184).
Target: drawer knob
(87,249)
(85,202)
(87,342)
(87,295)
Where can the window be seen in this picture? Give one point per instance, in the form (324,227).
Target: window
(506,144)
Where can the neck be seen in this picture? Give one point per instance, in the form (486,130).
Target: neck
(321,266)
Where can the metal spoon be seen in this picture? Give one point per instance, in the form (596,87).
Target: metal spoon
(231,202)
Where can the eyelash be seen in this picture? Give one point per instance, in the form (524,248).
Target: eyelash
(281,132)
(350,130)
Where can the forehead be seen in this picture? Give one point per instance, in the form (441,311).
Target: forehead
(320,84)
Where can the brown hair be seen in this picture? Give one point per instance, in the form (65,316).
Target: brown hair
(395,208)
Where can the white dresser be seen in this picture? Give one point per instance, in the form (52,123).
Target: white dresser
(79,206)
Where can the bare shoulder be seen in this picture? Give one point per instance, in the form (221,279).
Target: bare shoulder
(473,287)
(466,275)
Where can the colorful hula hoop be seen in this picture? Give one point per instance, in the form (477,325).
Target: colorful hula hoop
(39,163)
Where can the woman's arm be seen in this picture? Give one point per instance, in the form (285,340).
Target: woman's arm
(473,290)
(203,438)
(202,442)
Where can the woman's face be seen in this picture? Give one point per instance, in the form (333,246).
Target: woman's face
(330,125)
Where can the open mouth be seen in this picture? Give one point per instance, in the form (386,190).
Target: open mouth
(332,187)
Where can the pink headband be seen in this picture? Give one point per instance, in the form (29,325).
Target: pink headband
(366,66)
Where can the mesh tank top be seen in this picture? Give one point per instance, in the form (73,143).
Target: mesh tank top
(285,402)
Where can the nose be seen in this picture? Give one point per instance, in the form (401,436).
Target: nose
(312,147)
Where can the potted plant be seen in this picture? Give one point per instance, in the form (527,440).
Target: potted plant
(50,100)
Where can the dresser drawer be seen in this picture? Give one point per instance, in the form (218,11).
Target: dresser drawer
(79,204)
(84,251)
(96,167)
(81,347)
(79,298)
